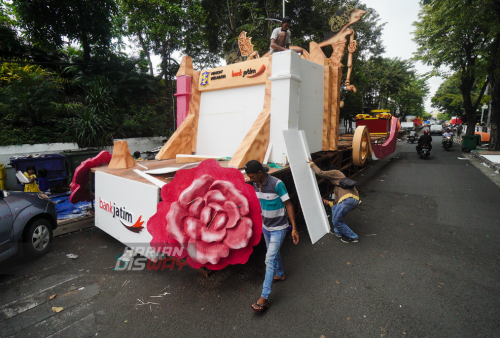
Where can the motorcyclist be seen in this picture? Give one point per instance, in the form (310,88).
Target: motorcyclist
(424,139)
(413,132)
(447,133)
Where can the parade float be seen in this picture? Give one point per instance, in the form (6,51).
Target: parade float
(281,109)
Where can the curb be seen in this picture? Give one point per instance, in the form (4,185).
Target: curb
(477,154)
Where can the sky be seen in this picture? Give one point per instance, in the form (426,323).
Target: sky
(396,36)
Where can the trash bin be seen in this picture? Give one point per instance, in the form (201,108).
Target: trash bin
(470,142)
(55,164)
(3,176)
(75,157)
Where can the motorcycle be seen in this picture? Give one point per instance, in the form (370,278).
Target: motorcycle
(424,152)
(411,139)
(447,143)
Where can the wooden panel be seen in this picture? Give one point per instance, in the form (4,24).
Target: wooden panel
(180,142)
(327,104)
(335,110)
(121,156)
(242,74)
(254,146)
(181,159)
(316,55)
(255,143)
(186,67)
(194,108)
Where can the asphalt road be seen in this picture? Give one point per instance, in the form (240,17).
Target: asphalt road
(426,266)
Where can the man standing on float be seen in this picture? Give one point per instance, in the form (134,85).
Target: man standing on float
(281,37)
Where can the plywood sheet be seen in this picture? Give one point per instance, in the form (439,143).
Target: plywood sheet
(306,185)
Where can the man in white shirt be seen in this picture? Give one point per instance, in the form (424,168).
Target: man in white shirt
(280,37)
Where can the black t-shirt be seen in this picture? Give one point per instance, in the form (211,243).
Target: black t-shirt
(425,139)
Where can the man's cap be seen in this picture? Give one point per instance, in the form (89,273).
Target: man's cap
(253,167)
(286,19)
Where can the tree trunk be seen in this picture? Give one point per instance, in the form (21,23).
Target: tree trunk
(86,48)
(146,51)
(466,88)
(495,115)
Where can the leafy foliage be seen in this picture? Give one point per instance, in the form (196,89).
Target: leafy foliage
(48,22)
(460,35)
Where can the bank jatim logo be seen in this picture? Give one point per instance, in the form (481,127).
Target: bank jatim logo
(125,217)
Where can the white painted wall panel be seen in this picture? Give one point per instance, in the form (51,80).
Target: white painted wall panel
(306,185)
(225,118)
(285,94)
(311,103)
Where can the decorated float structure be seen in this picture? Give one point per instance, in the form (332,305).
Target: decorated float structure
(280,108)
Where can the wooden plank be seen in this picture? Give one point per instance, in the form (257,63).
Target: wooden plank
(180,142)
(327,104)
(194,109)
(335,110)
(181,159)
(186,67)
(241,74)
(316,55)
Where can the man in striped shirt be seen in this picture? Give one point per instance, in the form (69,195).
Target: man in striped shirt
(274,200)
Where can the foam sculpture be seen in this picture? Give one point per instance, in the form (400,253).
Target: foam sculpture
(78,186)
(122,159)
(209,216)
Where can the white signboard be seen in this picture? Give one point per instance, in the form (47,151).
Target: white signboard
(306,184)
(123,208)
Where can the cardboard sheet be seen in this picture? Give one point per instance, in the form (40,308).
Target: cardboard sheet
(306,184)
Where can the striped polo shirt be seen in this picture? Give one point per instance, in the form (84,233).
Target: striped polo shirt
(271,198)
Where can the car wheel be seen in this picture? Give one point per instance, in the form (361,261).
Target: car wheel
(38,238)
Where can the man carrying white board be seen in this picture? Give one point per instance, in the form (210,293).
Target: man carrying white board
(345,201)
(273,198)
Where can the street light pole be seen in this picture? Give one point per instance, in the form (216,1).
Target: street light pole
(283,8)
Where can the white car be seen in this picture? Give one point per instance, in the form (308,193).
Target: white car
(437,129)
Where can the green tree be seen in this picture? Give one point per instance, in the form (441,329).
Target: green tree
(458,34)
(29,94)
(48,22)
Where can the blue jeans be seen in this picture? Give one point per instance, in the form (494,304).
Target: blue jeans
(273,239)
(339,211)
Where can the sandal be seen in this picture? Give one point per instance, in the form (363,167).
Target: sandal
(260,308)
(279,279)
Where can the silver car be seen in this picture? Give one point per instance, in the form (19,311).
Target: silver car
(26,223)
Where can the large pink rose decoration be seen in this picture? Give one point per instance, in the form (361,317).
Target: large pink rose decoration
(209,215)
(79,192)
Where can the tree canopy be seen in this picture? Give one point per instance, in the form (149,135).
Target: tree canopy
(464,36)
(69,56)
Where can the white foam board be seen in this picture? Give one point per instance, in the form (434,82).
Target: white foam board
(306,184)
(23,179)
(150,178)
(492,158)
